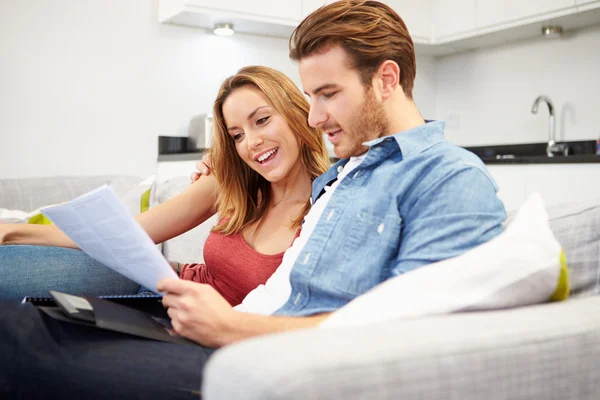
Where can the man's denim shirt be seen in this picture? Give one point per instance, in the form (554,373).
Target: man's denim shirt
(414,200)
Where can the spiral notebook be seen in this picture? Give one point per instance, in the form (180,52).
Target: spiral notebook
(142,316)
(149,303)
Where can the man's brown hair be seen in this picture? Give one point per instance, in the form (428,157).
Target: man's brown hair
(370,32)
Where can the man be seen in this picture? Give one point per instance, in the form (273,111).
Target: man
(401,197)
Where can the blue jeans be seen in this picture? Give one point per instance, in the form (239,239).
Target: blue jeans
(41,357)
(34,270)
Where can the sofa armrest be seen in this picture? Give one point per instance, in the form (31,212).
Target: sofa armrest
(549,351)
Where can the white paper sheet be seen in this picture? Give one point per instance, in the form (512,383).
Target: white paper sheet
(101,226)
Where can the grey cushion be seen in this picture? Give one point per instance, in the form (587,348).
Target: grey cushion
(32,193)
(577,228)
(548,352)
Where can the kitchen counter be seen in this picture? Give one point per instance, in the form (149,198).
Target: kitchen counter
(579,152)
(573,159)
(193,156)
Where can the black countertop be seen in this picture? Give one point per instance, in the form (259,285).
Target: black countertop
(189,156)
(578,152)
(574,159)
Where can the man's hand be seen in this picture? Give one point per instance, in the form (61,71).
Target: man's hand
(198,312)
(204,166)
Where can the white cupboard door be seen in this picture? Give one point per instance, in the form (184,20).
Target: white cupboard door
(566,183)
(585,5)
(556,183)
(512,184)
(452,18)
(309,6)
(416,15)
(288,9)
(498,12)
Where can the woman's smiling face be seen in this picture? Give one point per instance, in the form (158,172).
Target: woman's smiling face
(262,137)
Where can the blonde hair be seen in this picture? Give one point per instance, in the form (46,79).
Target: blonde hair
(370,32)
(244,195)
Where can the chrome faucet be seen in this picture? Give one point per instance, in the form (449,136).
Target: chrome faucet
(552,147)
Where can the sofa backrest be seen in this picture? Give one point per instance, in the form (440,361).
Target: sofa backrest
(29,194)
(577,228)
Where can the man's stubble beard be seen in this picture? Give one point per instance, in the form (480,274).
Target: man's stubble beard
(368,123)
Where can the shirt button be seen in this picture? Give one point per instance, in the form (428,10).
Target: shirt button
(340,169)
(306,258)
(356,174)
(380,228)
(297,298)
(330,215)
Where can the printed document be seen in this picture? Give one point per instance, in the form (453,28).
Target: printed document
(102,227)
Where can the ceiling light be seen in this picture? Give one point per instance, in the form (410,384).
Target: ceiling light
(552,30)
(223,29)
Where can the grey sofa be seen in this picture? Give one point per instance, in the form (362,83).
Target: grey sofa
(548,351)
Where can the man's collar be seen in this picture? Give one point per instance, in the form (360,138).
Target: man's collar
(416,140)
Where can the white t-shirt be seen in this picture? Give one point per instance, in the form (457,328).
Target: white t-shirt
(268,298)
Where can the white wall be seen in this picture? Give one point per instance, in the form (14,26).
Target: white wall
(488,94)
(87,86)
(424,92)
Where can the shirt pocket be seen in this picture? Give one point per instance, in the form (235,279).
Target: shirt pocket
(367,252)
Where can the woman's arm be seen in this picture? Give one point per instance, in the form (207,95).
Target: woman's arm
(177,215)
(42,235)
(183,212)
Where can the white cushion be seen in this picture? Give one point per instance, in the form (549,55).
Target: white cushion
(520,267)
(15,216)
(187,247)
(132,199)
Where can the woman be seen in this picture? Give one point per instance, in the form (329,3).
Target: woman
(264,159)
(264,156)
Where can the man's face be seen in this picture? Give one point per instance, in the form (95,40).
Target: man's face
(340,105)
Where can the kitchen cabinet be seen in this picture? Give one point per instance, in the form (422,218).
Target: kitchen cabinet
(556,183)
(416,15)
(453,18)
(438,27)
(261,17)
(309,6)
(490,13)
(289,9)
(585,5)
